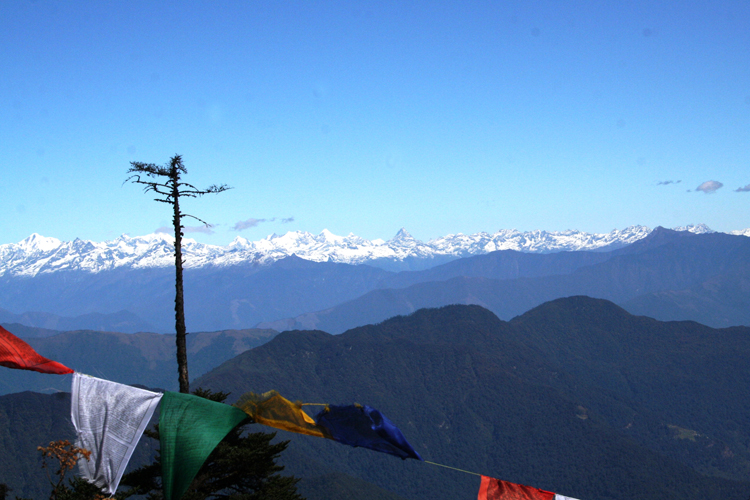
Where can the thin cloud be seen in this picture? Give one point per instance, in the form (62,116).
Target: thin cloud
(709,187)
(165,230)
(666,183)
(247,224)
(743,190)
(252,222)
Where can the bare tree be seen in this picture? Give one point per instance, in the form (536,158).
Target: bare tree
(166,182)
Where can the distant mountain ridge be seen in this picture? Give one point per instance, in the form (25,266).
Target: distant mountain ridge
(669,275)
(42,255)
(121,321)
(298,293)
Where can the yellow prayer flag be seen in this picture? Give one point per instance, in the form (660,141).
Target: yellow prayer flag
(274,410)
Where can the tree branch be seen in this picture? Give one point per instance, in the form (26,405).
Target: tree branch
(196,218)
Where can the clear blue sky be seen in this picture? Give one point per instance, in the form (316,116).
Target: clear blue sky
(364,117)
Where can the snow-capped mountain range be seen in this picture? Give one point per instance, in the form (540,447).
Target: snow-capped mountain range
(39,254)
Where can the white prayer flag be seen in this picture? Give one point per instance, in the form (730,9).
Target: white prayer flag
(109,419)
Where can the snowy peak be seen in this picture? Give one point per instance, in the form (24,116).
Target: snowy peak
(38,254)
(38,243)
(329,237)
(402,236)
(697,229)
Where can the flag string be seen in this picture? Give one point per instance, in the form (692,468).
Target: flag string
(454,468)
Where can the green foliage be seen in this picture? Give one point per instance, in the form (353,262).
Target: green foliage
(63,456)
(242,467)
(80,489)
(76,489)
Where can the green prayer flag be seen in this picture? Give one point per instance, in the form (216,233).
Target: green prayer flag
(190,427)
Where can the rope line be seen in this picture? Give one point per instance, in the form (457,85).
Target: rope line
(425,461)
(454,468)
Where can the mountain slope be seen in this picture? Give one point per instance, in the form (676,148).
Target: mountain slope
(473,392)
(677,387)
(215,298)
(665,262)
(501,264)
(121,321)
(139,358)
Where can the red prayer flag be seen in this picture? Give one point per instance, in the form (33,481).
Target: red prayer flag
(496,489)
(15,353)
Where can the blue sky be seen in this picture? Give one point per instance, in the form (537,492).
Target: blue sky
(363,117)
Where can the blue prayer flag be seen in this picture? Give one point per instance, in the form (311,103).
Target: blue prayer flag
(365,426)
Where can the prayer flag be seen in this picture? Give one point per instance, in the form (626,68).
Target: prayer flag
(109,419)
(354,425)
(496,489)
(365,426)
(15,353)
(190,427)
(273,410)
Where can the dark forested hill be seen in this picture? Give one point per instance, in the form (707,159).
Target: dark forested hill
(678,387)
(577,396)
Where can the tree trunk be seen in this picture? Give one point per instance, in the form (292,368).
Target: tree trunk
(179,302)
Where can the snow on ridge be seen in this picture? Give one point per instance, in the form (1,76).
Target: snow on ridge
(38,254)
(698,229)
(539,241)
(37,242)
